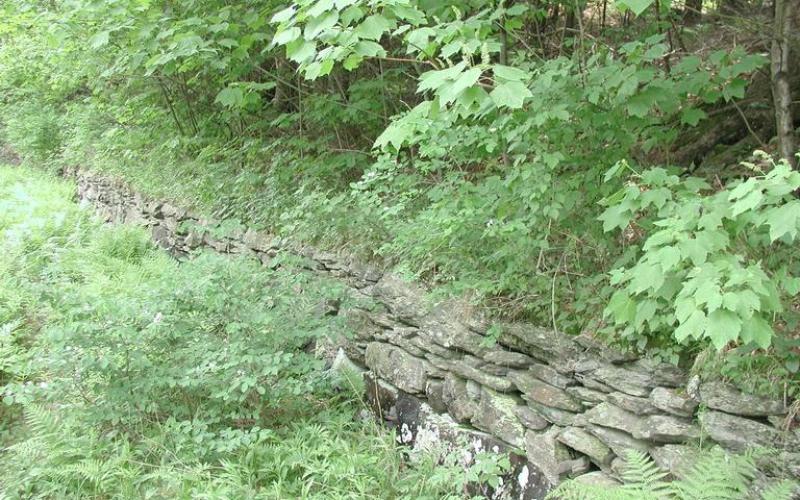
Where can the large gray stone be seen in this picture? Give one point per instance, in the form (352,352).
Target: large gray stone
(608,415)
(553,415)
(598,478)
(543,393)
(737,433)
(497,415)
(673,401)
(508,358)
(620,442)
(551,376)
(397,366)
(587,397)
(555,349)
(663,374)
(502,384)
(405,300)
(676,459)
(433,391)
(530,418)
(586,443)
(461,405)
(666,429)
(631,382)
(574,467)
(633,404)
(724,397)
(546,453)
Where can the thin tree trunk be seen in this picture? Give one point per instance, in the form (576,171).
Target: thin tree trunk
(781,91)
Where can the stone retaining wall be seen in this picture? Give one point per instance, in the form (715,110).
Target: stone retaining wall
(562,406)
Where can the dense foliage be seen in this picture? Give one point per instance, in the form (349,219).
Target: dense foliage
(125,374)
(522,154)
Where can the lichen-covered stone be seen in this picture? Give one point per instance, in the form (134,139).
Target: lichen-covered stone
(497,415)
(586,443)
(737,433)
(397,366)
(543,393)
(673,401)
(724,397)
(666,429)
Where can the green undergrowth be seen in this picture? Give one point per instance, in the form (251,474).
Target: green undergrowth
(126,374)
(452,142)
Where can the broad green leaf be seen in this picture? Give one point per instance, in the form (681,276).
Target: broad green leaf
(285,36)
(635,6)
(756,329)
(283,15)
(723,327)
(448,93)
(320,7)
(509,73)
(621,307)
(231,97)
(696,249)
(510,95)
(432,80)
(321,24)
(615,216)
(367,48)
(301,50)
(395,134)
(646,277)
(669,257)
(351,14)
(694,326)
(373,27)
(784,220)
(692,116)
(99,40)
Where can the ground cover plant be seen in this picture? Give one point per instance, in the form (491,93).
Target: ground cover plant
(126,374)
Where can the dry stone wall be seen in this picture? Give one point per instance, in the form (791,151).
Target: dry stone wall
(562,406)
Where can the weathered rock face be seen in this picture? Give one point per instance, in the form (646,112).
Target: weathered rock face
(720,396)
(561,406)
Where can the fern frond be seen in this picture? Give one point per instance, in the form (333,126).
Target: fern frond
(784,490)
(717,474)
(643,477)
